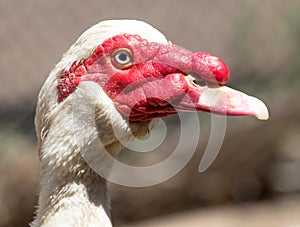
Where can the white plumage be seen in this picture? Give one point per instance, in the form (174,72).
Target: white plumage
(70,192)
(88,122)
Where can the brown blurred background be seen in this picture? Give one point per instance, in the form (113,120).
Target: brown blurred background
(256,177)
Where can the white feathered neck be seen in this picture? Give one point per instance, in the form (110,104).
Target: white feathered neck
(71,193)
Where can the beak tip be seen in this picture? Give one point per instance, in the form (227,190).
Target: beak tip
(260,110)
(264,116)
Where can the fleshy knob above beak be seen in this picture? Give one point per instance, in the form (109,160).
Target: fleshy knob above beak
(216,65)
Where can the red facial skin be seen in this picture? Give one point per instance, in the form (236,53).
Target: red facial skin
(153,84)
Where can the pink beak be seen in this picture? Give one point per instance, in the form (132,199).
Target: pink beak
(222,100)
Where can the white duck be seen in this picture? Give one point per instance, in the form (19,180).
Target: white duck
(118,77)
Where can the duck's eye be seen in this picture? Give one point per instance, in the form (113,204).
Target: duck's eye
(122,58)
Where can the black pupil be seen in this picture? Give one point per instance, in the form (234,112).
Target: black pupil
(123,56)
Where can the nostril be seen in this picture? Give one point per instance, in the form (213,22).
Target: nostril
(196,79)
(200,83)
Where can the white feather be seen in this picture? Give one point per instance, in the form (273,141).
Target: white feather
(66,130)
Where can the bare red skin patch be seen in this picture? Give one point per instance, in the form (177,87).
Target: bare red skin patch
(95,67)
(155,79)
(69,80)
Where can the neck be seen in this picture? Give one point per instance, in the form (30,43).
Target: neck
(70,136)
(80,201)
(71,193)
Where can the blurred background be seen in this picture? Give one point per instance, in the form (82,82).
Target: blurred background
(255,179)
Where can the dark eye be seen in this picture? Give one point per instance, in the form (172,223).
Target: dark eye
(122,58)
